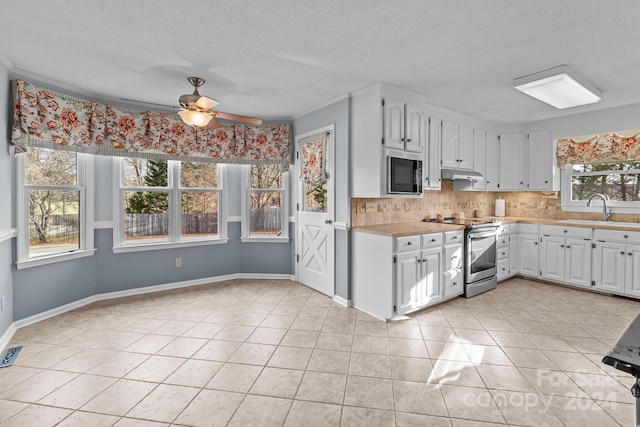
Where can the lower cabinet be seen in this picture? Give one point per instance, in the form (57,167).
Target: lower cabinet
(564,259)
(616,264)
(453,274)
(417,279)
(529,255)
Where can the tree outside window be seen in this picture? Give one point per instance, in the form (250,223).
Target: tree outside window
(619,181)
(266,193)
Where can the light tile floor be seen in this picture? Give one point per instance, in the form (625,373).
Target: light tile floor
(275,353)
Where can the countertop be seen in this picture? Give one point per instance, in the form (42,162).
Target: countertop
(421,227)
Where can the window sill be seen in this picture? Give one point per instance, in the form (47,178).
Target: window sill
(270,239)
(167,245)
(35,262)
(598,209)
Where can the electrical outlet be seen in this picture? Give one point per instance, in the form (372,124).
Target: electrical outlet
(178,262)
(407,206)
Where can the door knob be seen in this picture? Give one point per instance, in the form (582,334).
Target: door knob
(328,221)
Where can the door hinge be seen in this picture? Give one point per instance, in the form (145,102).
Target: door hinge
(395,259)
(383,102)
(593,245)
(297,154)
(297,206)
(540,272)
(593,283)
(395,310)
(498,185)
(297,258)
(382,141)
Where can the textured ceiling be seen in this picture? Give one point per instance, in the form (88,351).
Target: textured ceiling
(281,58)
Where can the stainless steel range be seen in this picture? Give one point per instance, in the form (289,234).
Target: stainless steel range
(480,269)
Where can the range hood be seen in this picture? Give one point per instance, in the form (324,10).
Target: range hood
(454,175)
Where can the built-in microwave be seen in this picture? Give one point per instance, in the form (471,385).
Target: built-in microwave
(404,173)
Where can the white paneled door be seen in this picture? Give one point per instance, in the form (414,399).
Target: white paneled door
(315,210)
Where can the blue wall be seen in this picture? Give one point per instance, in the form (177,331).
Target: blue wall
(338,115)
(6,203)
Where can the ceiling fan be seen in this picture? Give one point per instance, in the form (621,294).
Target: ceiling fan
(196,110)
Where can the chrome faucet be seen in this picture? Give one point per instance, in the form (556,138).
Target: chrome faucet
(605,214)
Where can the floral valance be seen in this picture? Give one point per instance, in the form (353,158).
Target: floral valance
(313,149)
(47,119)
(599,148)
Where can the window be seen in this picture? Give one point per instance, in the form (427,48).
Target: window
(54,209)
(618,181)
(264,205)
(161,203)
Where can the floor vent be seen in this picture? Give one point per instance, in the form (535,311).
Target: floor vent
(10,356)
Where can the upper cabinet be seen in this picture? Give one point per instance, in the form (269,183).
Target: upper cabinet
(457,146)
(512,161)
(431,163)
(543,174)
(492,162)
(402,127)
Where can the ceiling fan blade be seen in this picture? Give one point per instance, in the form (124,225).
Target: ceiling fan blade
(205,103)
(214,124)
(237,118)
(135,101)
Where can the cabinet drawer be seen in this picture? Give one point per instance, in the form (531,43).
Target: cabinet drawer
(529,228)
(453,236)
(502,241)
(502,253)
(407,243)
(572,232)
(503,268)
(453,284)
(616,235)
(504,230)
(431,240)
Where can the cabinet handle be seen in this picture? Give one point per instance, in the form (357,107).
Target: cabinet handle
(424,260)
(546,181)
(630,254)
(535,243)
(488,182)
(568,247)
(408,139)
(408,243)
(564,231)
(454,237)
(433,240)
(622,253)
(455,284)
(562,246)
(419,260)
(626,236)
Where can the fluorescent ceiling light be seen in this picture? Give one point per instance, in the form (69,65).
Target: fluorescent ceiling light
(559,87)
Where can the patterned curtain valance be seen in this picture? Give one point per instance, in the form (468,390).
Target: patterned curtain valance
(599,148)
(45,118)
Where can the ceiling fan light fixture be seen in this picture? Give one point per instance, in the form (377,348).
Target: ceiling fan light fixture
(195,118)
(559,87)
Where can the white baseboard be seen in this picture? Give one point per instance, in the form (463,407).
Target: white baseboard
(6,337)
(342,301)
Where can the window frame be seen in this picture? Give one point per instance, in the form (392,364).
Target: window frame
(174,190)
(284,220)
(84,185)
(569,205)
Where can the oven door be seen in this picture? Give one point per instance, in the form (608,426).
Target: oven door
(481,255)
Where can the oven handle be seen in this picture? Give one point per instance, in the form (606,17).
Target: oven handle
(481,234)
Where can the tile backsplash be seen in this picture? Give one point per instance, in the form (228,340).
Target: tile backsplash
(530,204)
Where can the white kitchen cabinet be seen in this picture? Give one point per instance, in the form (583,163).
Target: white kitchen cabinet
(542,172)
(479,157)
(616,262)
(382,118)
(565,259)
(408,278)
(453,264)
(457,146)
(431,163)
(529,257)
(502,253)
(492,162)
(512,161)
(514,254)
(431,276)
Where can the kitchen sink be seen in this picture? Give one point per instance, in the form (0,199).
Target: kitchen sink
(597,222)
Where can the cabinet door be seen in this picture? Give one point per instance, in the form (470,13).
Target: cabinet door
(492,162)
(503,268)
(552,254)
(514,254)
(609,266)
(453,271)
(577,269)
(393,114)
(479,157)
(512,161)
(408,278)
(529,264)
(465,147)
(541,162)
(449,148)
(431,276)
(432,175)
(415,130)
(633,271)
